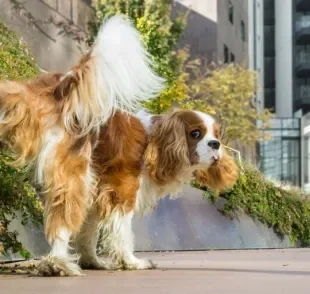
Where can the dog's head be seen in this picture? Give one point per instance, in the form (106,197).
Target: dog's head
(183,140)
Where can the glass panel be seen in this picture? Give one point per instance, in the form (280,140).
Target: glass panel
(280,156)
(303,57)
(269,40)
(243,33)
(226,54)
(230,12)
(269,12)
(270,98)
(302,22)
(269,79)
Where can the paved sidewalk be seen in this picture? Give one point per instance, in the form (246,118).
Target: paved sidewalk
(218,272)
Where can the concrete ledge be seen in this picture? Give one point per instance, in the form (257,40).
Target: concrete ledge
(185,223)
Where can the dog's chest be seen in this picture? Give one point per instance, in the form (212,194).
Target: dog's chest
(149,194)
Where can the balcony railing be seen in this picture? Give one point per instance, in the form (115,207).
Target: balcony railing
(302,57)
(303,22)
(303,92)
(303,5)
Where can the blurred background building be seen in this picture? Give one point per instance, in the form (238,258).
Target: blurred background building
(274,37)
(279,50)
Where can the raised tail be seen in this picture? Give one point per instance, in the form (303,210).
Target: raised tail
(116,74)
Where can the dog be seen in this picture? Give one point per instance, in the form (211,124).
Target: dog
(98,159)
(140,162)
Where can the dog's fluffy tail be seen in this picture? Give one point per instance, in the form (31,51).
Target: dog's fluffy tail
(116,74)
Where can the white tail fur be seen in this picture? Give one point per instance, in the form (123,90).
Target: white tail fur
(124,66)
(118,74)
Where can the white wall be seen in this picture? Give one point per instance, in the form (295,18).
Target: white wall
(256,45)
(201,31)
(284,60)
(52,51)
(230,34)
(207,8)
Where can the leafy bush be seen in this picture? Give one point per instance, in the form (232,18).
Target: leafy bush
(16,194)
(285,209)
(15,60)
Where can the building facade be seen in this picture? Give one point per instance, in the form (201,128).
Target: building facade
(232,34)
(279,50)
(216,29)
(32,22)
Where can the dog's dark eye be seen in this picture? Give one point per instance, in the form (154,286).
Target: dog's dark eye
(195,134)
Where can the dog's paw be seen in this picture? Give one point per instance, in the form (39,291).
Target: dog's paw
(95,264)
(59,267)
(138,264)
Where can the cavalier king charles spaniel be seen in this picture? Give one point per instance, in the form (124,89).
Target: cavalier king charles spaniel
(98,159)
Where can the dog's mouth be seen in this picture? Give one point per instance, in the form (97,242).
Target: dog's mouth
(215,158)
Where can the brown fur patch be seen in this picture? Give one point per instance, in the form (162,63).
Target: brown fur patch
(171,147)
(30,109)
(25,107)
(66,193)
(219,177)
(118,158)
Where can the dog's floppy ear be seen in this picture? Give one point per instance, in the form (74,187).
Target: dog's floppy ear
(167,150)
(220,177)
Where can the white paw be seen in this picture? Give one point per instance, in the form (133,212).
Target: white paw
(138,264)
(58,266)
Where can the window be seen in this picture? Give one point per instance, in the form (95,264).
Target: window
(226,54)
(242,27)
(232,57)
(230,12)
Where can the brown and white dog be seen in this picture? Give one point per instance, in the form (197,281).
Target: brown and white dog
(97,160)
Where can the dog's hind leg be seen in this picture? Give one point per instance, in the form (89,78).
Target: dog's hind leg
(86,242)
(67,197)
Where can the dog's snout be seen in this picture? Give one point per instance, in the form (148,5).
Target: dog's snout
(214,144)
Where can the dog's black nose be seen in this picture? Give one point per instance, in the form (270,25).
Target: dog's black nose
(214,144)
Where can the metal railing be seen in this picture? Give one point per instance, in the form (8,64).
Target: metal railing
(303,92)
(302,57)
(303,22)
(280,155)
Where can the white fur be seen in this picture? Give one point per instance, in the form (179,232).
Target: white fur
(59,262)
(204,151)
(123,68)
(50,141)
(149,192)
(146,119)
(61,243)
(118,240)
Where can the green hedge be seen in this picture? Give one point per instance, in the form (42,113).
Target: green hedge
(16,193)
(15,60)
(287,211)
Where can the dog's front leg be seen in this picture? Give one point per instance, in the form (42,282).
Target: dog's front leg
(118,239)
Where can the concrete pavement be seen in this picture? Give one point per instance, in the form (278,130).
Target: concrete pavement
(218,272)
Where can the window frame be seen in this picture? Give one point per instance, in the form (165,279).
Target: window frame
(226,54)
(230,12)
(243,30)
